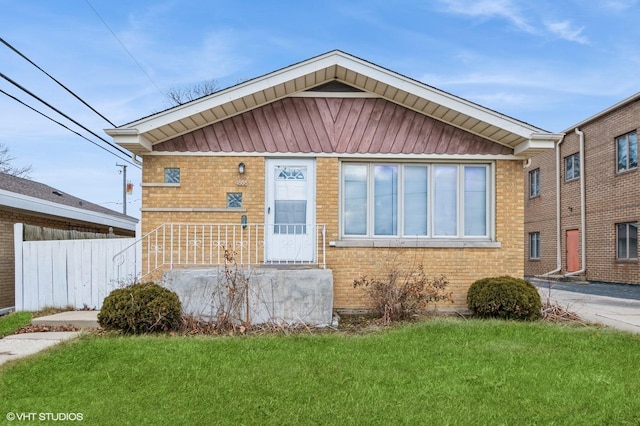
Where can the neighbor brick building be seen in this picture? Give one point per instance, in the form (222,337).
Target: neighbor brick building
(598,232)
(338,163)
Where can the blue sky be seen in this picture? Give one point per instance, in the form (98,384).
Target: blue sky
(549,63)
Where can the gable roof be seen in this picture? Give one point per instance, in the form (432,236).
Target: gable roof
(36,197)
(524,139)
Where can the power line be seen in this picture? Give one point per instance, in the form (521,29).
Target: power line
(125,48)
(52,78)
(117,148)
(66,127)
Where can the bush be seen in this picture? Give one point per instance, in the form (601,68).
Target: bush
(141,308)
(400,293)
(504,297)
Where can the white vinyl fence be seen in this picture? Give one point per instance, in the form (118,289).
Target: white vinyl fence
(78,273)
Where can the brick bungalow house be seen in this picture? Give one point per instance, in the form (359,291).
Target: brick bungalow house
(582,201)
(33,203)
(338,163)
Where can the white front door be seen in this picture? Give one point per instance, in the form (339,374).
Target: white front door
(290,210)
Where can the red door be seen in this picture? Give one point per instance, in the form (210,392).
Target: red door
(573,247)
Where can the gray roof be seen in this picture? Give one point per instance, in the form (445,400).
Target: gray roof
(45,192)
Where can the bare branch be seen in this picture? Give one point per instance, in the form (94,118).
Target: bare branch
(179,95)
(7,167)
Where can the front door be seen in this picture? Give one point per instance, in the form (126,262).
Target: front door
(290,210)
(573,247)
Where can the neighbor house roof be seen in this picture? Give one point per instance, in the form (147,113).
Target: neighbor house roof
(524,140)
(36,197)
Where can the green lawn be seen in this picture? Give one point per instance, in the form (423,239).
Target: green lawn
(13,321)
(438,372)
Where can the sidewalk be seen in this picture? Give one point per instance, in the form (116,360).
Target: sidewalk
(613,305)
(21,345)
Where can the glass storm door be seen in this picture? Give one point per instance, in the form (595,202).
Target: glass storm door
(290,211)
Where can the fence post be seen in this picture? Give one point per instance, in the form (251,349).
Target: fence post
(18,229)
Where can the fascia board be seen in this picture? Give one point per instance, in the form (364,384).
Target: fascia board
(37,205)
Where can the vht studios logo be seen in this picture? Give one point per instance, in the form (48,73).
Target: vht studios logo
(54,417)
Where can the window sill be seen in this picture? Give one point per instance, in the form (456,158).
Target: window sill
(412,243)
(626,261)
(626,171)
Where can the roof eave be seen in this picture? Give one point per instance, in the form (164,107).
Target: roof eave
(37,205)
(131,140)
(537,144)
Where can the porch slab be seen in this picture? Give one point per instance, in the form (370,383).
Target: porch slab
(79,319)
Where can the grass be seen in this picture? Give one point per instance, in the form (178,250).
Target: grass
(437,372)
(11,322)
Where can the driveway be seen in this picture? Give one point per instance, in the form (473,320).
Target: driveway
(613,305)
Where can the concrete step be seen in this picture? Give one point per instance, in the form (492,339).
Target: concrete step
(79,319)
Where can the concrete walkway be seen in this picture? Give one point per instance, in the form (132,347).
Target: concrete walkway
(613,305)
(21,345)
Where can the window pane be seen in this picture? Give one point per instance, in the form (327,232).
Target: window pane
(171,175)
(622,240)
(475,201)
(385,200)
(445,200)
(622,153)
(534,245)
(633,240)
(633,150)
(534,184)
(568,169)
(415,200)
(576,165)
(355,199)
(290,217)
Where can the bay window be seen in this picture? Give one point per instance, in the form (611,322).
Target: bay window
(416,200)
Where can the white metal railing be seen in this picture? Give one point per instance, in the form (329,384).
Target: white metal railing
(209,244)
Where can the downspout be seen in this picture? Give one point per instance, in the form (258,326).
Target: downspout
(583,212)
(558,228)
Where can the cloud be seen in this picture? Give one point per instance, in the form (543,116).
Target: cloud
(505,9)
(619,5)
(529,22)
(564,30)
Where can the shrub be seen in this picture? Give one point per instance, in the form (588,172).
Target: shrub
(504,297)
(141,308)
(402,292)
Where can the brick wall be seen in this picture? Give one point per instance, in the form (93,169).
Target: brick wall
(8,218)
(205,180)
(611,198)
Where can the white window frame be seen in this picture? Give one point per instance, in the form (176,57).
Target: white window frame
(369,234)
(626,139)
(534,183)
(576,170)
(534,245)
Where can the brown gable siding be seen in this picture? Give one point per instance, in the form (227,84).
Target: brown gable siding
(332,125)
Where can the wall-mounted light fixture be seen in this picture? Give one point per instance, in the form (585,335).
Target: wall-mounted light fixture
(243,221)
(241,168)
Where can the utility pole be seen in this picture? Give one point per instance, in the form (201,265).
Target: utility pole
(124,186)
